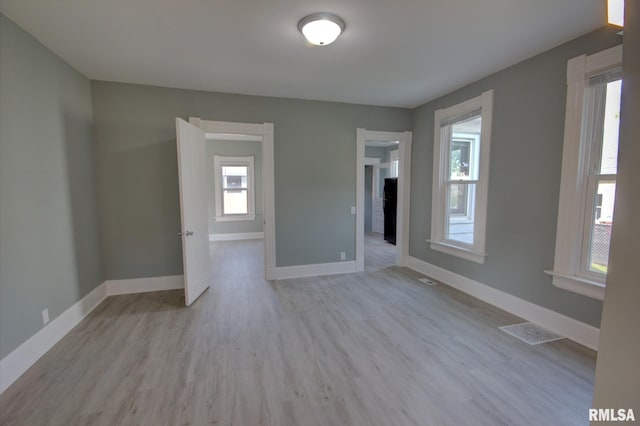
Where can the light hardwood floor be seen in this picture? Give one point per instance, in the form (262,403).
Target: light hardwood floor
(374,348)
(378,254)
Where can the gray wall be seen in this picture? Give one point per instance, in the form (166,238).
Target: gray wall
(49,256)
(138,184)
(234,149)
(526,155)
(617,382)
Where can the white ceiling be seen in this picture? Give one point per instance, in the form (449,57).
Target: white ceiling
(394,53)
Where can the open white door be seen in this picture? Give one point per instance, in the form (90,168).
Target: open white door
(193,209)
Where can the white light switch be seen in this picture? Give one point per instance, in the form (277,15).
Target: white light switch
(353,209)
(45,316)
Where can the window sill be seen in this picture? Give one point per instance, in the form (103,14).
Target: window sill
(458,251)
(575,284)
(235,218)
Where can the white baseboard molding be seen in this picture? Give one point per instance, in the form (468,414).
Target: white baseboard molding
(237,236)
(24,356)
(575,330)
(143,285)
(319,269)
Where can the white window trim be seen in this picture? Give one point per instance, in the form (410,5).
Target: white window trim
(218,162)
(476,252)
(571,218)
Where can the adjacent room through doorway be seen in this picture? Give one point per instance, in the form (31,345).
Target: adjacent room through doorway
(380,207)
(235,206)
(383,173)
(239,187)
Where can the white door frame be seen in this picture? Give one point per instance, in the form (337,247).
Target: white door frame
(227,130)
(404,186)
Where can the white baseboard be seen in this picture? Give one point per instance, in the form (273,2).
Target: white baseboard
(575,330)
(237,236)
(319,269)
(143,285)
(24,356)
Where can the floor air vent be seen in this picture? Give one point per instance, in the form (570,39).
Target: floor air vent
(530,333)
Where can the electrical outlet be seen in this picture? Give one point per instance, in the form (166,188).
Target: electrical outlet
(343,255)
(45,316)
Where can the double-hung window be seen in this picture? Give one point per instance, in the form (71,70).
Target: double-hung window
(234,188)
(462,136)
(589,168)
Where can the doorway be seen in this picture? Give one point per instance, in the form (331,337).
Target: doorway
(260,208)
(396,161)
(379,219)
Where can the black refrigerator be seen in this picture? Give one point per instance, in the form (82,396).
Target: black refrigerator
(390,209)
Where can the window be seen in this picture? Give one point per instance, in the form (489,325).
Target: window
(462,137)
(589,168)
(394,161)
(234,188)
(601,180)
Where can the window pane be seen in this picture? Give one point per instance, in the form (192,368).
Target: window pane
(459,160)
(460,212)
(464,148)
(609,159)
(458,200)
(234,177)
(601,227)
(235,201)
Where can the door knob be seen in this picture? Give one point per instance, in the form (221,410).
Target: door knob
(188,233)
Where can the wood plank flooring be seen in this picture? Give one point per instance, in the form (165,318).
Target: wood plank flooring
(374,348)
(378,254)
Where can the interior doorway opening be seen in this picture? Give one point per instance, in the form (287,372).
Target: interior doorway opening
(257,209)
(382,198)
(218,189)
(380,203)
(235,206)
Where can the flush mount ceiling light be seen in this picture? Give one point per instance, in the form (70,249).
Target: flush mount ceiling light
(321,29)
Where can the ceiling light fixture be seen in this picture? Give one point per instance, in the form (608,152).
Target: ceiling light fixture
(321,29)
